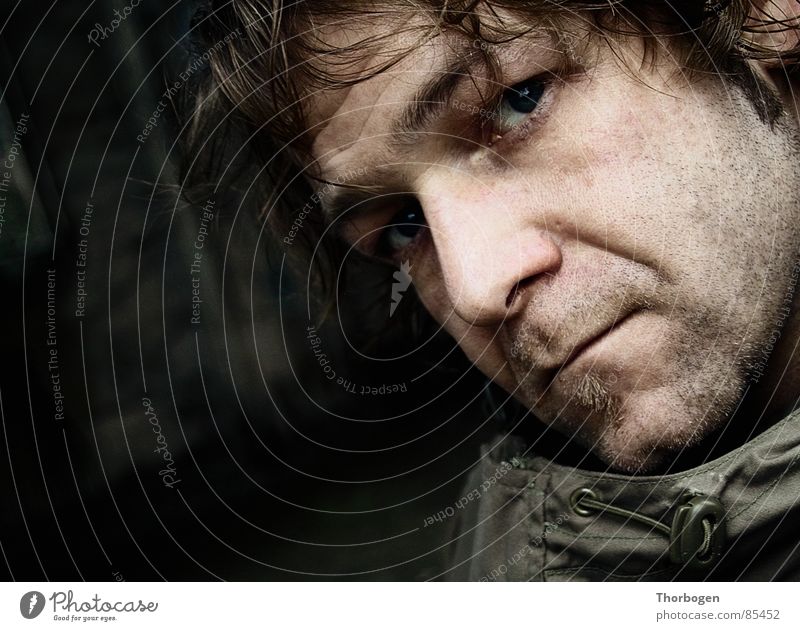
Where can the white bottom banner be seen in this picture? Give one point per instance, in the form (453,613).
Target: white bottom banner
(397,606)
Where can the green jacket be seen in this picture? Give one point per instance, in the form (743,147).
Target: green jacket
(734,518)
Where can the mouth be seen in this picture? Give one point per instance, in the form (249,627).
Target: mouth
(584,347)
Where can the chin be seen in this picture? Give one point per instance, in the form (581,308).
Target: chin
(640,431)
(647,432)
(638,420)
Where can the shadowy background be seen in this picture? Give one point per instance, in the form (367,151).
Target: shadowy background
(272,471)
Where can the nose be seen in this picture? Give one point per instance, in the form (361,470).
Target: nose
(491,251)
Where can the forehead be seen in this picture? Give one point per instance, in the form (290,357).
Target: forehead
(349,121)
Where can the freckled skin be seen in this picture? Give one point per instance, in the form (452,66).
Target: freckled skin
(661,209)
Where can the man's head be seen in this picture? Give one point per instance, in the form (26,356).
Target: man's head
(602,207)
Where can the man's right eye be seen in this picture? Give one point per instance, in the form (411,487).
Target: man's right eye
(403,228)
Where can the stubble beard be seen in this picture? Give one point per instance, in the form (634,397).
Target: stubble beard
(642,431)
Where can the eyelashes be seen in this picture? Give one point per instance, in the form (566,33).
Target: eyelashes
(517,108)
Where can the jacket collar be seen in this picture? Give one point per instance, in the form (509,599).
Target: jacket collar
(732,513)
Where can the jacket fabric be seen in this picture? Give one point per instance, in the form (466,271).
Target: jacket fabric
(734,518)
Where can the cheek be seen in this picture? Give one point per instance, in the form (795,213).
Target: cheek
(602,122)
(483,346)
(430,287)
(432,291)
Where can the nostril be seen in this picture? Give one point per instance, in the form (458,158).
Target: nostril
(517,291)
(512,295)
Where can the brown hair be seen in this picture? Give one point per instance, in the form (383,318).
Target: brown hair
(244,120)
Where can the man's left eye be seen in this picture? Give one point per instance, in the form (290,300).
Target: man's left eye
(403,228)
(517,103)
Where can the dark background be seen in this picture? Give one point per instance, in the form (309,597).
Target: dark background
(283,475)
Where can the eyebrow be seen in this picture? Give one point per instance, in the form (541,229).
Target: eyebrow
(430,100)
(342,200)
(428,103)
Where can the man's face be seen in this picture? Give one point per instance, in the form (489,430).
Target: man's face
(615,250)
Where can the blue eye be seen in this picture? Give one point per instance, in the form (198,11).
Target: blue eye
(525,96)
(517,102)
(404,227)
